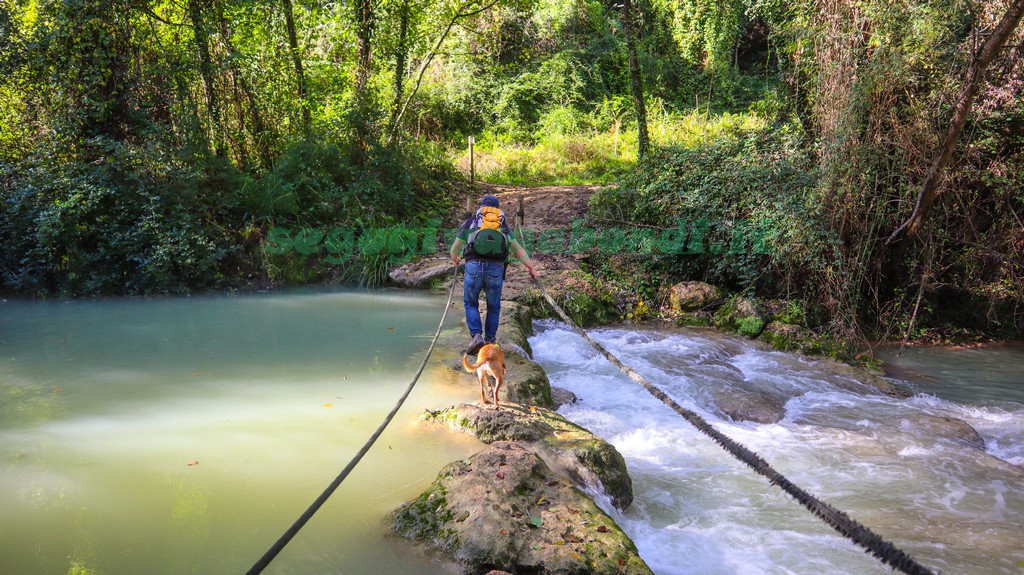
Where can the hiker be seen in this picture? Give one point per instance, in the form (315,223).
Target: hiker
(488,243)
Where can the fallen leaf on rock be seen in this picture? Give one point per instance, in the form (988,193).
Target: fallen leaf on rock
(195,375)
(327,405)
(192,463)
(602,529)
(504,532)
(500,475)
(552,483)
(391,329)
(536,521)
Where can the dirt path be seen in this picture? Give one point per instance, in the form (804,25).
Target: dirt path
(536,208)
(542,208)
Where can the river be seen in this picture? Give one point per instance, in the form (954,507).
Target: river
(184,435)
(889,463)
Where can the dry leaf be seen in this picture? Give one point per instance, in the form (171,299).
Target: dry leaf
(192,463)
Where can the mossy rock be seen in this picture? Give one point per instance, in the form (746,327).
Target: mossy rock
(505,508)
(741,315)
(585,457)
(691,296)
(696,319)
(515,326)
(788,337)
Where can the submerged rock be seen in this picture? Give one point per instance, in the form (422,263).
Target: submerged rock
(949,428)
(561,396)
(748,405)
(505,508)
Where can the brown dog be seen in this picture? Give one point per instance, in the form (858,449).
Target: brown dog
(490,361)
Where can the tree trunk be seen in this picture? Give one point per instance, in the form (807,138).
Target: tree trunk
(365,20)
(293,45)
(401,57)
(258,129)
(901,237)
(635,80)
(202,37)
(464,11)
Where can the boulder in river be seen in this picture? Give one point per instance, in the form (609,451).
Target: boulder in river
(422,274)
(582,456)
(505,508)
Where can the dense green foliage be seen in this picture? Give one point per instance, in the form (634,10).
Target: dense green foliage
(838,168)
(152,146)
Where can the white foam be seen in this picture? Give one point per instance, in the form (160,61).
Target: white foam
(855,450)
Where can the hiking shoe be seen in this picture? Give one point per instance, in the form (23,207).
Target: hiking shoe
(475,344)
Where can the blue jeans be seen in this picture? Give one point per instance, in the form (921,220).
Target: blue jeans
(488,277)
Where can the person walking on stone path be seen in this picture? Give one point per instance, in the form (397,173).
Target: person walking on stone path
(485,242)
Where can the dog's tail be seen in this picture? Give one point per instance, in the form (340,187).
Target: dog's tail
(470,368)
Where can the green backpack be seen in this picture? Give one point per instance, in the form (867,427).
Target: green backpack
(489,244)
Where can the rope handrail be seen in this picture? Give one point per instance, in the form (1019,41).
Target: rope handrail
(280,544)
(835,518)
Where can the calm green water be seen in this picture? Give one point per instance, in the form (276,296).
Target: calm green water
(985,375)
(105,404)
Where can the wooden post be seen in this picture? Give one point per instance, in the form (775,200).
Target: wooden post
(472,178)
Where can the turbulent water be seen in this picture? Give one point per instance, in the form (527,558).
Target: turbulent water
(184,435)
(903,467)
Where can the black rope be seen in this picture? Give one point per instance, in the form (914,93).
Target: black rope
(837,519)
(276,548)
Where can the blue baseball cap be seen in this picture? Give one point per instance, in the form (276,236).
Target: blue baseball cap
(491,201)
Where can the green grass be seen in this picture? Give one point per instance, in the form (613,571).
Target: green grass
(590,156)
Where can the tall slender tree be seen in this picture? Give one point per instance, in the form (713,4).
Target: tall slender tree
(465,10)
(401,57)
(256,125)
(902,235)
(293,45)
(366,17)
(636,83)
(197,14)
